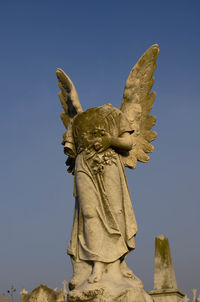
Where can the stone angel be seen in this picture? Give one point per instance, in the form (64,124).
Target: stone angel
(100,142)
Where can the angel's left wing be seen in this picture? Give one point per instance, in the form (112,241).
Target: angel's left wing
(137,103)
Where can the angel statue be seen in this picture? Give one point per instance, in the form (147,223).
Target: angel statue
(100,142)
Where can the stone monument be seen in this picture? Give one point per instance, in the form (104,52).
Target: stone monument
(4,299)
(100,142)
(165,286)
(42,293)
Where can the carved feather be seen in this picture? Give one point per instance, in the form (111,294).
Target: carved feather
(137,104)
(68,97)
(70,102)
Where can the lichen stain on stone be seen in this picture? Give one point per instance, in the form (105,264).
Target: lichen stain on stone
(163,250)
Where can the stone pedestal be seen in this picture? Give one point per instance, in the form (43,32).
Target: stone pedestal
(167,295)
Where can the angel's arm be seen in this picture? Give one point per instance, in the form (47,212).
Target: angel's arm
(123,143)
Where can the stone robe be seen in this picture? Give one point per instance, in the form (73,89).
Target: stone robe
(104,222)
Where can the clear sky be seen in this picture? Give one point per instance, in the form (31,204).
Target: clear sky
(96,43)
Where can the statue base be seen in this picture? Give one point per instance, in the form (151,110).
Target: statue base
(113,287)
(101,294)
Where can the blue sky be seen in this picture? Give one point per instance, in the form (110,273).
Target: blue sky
(96,43)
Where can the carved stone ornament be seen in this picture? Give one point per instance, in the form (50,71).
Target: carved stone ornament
(100,142)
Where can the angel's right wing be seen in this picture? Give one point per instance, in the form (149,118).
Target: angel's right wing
(70,102)
(68,97)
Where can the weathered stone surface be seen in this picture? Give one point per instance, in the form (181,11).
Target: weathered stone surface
(102,295)
(4,299)
(164,276)
(167,295)
(165,285)
(42,294)
(113,286)
(110,291)
(99,143)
